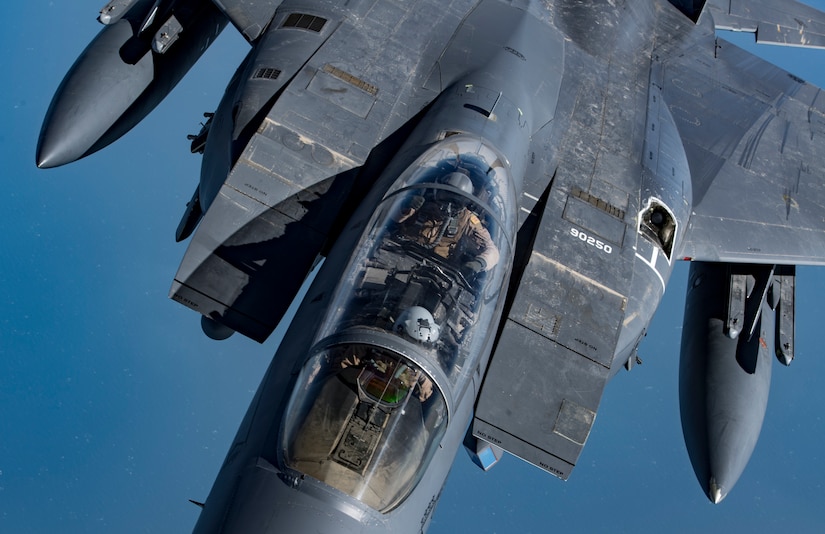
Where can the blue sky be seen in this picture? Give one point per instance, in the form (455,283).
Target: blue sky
(115,409)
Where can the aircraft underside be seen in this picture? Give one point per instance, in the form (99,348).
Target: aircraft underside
(498,191)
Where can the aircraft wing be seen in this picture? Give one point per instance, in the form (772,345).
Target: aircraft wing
(755,141)
(358,85)
(786,22)
(272,216)
(750,133)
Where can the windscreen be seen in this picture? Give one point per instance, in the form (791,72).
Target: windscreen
(365,421)
(430,267)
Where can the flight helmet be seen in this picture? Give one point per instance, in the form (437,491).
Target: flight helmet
(419,324)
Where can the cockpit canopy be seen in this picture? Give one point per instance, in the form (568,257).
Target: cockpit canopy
(438,247)
(487,174)
(407,324)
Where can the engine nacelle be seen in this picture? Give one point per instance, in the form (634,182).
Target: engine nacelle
(666,199)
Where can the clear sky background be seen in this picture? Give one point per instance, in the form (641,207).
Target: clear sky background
(115,408)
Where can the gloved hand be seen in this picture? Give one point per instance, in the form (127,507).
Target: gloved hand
(416,202)
(473,267)
(413,205)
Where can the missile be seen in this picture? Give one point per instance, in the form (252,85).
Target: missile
(125,72)
(725,373)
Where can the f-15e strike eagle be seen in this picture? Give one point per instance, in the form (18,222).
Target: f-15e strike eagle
(499,191)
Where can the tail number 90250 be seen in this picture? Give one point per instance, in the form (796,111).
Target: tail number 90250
(590,240)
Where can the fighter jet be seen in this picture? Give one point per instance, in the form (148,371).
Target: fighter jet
(491,196)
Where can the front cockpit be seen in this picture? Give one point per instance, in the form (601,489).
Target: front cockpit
(366,421)
(408,323)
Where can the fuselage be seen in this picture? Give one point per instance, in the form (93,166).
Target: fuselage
(499,191)
(367,400)
(369,396)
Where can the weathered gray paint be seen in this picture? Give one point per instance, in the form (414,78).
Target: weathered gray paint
(628,128)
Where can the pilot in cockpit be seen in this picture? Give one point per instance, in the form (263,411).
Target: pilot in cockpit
(446,225)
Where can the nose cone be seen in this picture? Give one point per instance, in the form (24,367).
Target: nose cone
(722,412)
(104,82)
(48,155)
(62,140)
(715,491)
